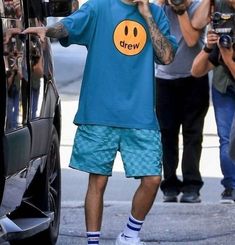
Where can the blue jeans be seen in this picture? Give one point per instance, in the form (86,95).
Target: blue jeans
(224,107)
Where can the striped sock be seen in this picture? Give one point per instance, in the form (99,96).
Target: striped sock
(133,227)
(93,237)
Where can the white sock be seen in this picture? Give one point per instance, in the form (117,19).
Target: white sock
(93,237)
(133,227)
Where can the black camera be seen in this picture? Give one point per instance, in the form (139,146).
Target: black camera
(175,2)
(224,24)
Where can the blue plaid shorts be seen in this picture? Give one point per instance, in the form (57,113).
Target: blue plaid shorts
(95,148)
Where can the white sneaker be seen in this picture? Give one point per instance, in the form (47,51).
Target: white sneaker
(122,240)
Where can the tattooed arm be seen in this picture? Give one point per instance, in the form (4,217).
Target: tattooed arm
(162,47)
(55,31)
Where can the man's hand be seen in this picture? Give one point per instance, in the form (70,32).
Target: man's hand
(143,7)
(39,31)
(10,33)
(160,2)
(228,55)
(55,31)
(231,3)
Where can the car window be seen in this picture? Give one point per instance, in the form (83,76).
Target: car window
(15,65)
(37,83)
(1,8)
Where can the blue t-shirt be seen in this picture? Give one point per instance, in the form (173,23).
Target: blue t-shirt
(118,83)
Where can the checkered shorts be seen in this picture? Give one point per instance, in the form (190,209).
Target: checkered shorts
(95,148)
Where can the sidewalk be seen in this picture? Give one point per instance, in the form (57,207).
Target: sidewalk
(181,224)
(166,224)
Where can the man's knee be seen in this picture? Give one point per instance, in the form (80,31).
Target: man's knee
(151,181)
(97,183)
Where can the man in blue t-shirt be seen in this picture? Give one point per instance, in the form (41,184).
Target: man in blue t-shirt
(116,106)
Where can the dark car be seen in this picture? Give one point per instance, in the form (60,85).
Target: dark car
(30,125)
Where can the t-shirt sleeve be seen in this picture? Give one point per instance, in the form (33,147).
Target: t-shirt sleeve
(164,26)
(80,26)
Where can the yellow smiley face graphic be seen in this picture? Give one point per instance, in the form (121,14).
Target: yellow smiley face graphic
(129,37)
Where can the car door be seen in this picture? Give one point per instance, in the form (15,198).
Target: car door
(43,95)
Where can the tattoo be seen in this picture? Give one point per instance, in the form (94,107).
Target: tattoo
(163,49)
(57,31)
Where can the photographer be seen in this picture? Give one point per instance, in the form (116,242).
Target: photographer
(203,13)
(215,56)
(182,100)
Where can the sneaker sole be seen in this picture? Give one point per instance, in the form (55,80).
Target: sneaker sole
(190,201)
(141,243)
(170,199)
(227,201)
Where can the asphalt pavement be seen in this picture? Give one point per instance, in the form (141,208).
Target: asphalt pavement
(208,222)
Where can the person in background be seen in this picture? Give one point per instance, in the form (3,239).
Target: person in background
(221,60)
(116,106)
(182,101)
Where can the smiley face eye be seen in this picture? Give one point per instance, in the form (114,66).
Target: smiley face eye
(126,30)
(135,32)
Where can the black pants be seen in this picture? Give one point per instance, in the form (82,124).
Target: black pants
(182,102)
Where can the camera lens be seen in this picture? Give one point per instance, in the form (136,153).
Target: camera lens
(225,41)
(177,2)
(216,16)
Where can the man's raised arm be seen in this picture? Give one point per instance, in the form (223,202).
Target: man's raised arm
(55,31)
(162,47)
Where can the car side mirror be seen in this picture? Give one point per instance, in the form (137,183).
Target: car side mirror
(57,8)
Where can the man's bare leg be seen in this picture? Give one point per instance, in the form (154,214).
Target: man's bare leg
(94,201)
(141,204)
(145,196)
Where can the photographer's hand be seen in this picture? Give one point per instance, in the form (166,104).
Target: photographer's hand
(212,39)
(202,15)
(178,9)
(227,55)
(231,3)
